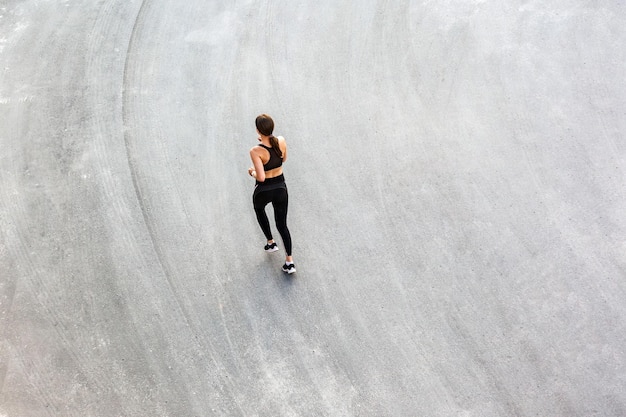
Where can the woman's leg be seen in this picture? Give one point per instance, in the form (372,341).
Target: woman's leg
(260,200)
(280,203)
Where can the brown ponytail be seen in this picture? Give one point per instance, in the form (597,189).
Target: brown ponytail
(276,146)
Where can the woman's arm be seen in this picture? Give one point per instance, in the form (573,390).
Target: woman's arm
(283,146)
(256,170)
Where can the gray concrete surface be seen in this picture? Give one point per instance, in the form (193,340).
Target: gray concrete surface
(456,174)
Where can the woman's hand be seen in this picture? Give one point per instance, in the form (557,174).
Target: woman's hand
(250,171)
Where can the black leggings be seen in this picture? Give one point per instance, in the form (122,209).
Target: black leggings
(279,199)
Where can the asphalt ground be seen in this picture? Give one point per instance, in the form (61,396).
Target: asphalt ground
(456,177)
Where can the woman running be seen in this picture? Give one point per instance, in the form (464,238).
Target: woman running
(267,160)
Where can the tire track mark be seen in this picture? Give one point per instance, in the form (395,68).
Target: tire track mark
(271,56)
(200,337)
(34,379)
(36,285)
(107,39)
(3,370)
(36,281)
(17,248)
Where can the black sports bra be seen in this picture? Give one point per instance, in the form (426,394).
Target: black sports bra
(275,161)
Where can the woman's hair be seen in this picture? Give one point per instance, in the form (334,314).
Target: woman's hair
(265,126)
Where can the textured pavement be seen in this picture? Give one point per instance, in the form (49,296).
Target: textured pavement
(456,175)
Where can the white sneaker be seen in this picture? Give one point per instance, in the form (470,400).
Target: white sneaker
(271,247)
